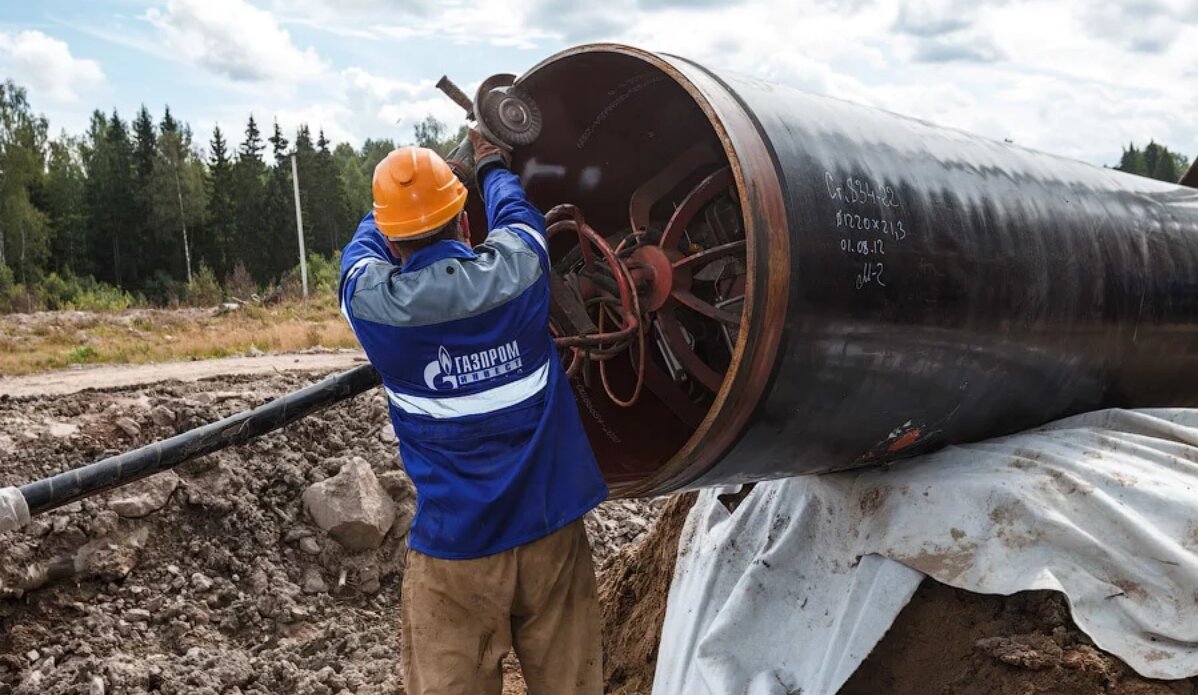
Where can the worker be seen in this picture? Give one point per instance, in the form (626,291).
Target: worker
(488,428)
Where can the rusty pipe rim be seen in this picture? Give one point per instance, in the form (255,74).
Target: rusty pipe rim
(767,287)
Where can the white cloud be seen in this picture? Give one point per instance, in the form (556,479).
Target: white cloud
(352,105)
(1057,75)
(1142,26)
(1030,70)
(349,18)
(237,40)
(381,88)
(959,47)
(390,108)
(1045,73)
(45,65)
(498,23)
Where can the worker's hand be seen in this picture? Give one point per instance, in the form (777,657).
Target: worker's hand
(487,153)
(461,161)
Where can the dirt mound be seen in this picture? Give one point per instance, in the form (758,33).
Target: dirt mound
(951,642)
(633,592)
(229,587)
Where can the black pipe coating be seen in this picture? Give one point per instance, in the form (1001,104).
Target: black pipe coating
(69,486)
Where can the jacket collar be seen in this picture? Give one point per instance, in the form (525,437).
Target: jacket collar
(436,252)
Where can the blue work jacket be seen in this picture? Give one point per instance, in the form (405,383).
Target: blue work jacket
(488,428)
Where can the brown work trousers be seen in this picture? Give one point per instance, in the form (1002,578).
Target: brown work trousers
(460,617)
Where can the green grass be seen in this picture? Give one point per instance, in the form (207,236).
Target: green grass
(82,354)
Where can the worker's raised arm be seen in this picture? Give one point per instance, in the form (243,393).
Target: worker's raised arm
(365,248)
(507,206)
(503,196)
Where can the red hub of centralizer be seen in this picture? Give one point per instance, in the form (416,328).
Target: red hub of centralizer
(655,277)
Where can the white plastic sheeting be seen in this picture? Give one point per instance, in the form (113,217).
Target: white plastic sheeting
(793,589)
(14,512)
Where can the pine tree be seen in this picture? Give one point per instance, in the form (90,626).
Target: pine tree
(280,250)
(1153,154)
(93,151)
(1166,168)
(354,181)
(145,140)
(143,236)
(169,124)
(309,180)
(252,145)
(222,204)
(111,201)
(1132,161)
(249,174)
(67,206)
(1154,161)
(278,144)
(331,225)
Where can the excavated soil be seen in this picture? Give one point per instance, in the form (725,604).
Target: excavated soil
(229,587)
(951,642)
(633,592)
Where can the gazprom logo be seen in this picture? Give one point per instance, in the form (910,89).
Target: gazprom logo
(451,371)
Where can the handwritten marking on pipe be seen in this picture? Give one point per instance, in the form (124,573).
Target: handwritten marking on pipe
(859,191)
(865,223)
(870,273)
(864,247)
(865,212)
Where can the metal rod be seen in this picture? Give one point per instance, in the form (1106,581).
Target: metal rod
(85,481)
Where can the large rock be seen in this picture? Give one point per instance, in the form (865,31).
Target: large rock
(355,510)
(145,496)
(128,425)
(162,416)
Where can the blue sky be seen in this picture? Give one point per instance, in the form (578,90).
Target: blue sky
(1074,77)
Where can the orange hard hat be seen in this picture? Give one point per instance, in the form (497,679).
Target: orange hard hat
(415,193)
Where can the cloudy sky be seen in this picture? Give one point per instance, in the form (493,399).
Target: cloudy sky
(1074,77)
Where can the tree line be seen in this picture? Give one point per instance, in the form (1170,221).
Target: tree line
(137,209)
(1154,161)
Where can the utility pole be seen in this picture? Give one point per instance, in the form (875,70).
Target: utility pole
(299,227)
(182,221)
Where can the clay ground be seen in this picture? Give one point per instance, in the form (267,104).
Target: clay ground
(230,588)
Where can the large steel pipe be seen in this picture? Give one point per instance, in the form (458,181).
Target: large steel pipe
(904,286)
